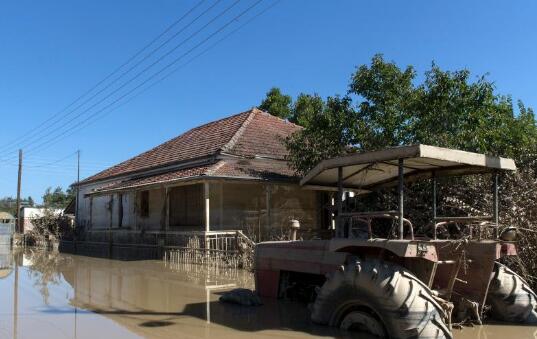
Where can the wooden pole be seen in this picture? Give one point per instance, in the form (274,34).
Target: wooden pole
(77,187)
(19,224)
(77,220)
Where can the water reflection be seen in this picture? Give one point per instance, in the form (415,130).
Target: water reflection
(64,296)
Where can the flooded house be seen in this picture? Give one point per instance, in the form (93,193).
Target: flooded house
(225,176)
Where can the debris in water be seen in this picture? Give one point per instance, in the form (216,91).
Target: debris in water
(241,296)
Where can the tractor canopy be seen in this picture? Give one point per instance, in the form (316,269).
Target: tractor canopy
(366,171)
(363,172)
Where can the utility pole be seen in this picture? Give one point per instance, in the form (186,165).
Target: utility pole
(18,227)
(77,186)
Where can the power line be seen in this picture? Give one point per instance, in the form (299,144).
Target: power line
(46,142)
(30,141)
(133,57)
(141,72)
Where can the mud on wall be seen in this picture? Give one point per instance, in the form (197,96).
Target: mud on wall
(263,210)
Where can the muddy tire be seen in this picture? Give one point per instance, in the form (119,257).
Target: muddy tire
(388,293)
(510,297)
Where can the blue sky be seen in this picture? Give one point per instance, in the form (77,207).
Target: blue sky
(53,51)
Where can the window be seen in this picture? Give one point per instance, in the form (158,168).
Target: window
(144,204)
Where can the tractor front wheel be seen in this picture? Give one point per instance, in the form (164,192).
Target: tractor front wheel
(511,298)
(379,298)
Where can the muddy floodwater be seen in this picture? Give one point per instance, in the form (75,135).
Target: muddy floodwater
(47,295)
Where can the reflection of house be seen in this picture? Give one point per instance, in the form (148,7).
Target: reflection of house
(229,174)
(29,214)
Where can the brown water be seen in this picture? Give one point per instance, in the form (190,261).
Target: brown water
(44,295)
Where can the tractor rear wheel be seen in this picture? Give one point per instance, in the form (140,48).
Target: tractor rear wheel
(379,298)
(510,297)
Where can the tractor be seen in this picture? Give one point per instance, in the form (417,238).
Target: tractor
(398,283)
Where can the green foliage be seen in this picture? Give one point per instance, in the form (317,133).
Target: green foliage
(447,109)
(9,204)
(387,106)
(277,103)
(57,198)
(329,129)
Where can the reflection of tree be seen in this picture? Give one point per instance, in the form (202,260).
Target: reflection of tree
(45,270)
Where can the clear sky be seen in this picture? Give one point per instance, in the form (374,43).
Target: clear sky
(54,51)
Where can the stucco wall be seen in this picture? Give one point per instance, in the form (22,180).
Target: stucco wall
(156,203)
(262,210)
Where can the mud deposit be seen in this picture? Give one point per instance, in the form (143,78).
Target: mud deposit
(45,295)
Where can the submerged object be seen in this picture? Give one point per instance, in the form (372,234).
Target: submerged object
(241,296)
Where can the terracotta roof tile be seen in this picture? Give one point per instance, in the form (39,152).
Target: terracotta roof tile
(158,178)
(252,169)
(248,134)
(240,169)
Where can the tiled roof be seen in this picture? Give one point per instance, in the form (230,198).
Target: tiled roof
(240,169)
(267,170)
(158,178)
(248,134)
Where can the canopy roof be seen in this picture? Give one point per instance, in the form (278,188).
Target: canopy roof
(369,170)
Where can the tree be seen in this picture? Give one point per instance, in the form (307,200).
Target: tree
(386,106)
(277,103)
(57,198)
(447,109)
(329,129)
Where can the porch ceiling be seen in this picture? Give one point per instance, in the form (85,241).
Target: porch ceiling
(246,169)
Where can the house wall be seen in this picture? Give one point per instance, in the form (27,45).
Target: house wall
(156,218)
(262,210)
(105,210)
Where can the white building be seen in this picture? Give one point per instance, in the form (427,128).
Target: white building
(29,214)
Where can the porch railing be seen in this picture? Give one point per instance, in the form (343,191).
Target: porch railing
(215,248)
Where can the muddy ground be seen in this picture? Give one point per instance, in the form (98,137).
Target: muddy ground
(45,295)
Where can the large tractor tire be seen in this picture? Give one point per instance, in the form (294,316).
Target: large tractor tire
(510,297)
(379,298)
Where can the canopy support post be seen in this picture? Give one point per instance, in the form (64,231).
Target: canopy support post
(434,194)
(495,206)
(401,197)
(339,203)
(434,184)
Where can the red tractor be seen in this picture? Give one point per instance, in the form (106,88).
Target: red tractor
(400,284)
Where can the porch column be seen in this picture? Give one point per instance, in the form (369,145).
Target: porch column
(221,193)
(167,204)
(268,198)
(207,207)
(91,212)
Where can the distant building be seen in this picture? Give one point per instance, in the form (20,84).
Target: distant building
(29,214)
(6,218)
(229,174)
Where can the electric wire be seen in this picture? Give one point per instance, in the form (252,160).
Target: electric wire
(133,57)
(30,140)
(46,142)
(141,72)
